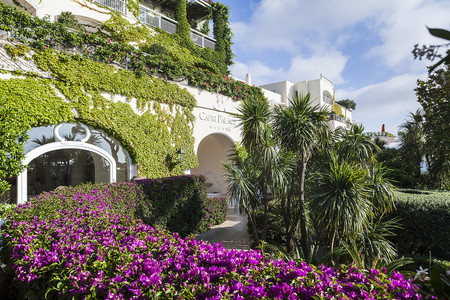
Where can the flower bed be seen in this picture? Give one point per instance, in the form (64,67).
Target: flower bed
(87,245)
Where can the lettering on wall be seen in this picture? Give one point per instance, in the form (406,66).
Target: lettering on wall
(217,119)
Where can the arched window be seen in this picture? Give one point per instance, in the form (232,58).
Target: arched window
(69,154)
(327,97)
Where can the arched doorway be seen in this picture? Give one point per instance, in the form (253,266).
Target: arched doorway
(67,167)
(69,154)
(211,152)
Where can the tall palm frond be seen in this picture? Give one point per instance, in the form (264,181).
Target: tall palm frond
(300,128)
(253,118)
(355,146)
(382,189)
(340,200)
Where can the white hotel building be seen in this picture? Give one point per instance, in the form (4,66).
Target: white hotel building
(215,131)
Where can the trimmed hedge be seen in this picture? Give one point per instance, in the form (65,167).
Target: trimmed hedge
(425,218)
(216,208)
(176,203)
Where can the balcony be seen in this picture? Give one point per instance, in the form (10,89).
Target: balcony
(117,5)
(152,18)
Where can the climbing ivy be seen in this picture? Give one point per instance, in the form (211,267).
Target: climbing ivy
(88,88)
(222,31)
(183,27)
(133,7)
(17,51)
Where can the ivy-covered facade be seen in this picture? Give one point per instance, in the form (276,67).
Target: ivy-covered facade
(56,73)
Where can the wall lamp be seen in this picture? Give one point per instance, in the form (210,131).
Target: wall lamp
(181,154)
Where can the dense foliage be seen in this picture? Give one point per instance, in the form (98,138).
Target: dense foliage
(434,97)
(176,203)
(222,31)
(88,245)
(12,138)
(347,103)
(81,90)
(424,219)
(183,27)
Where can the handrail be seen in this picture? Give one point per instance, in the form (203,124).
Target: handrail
(153,18)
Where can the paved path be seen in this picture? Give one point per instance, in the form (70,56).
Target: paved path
(232,233)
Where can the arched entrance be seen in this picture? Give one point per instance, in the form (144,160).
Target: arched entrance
(69,154)
(211,152)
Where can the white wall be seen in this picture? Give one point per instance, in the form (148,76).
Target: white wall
(284,88)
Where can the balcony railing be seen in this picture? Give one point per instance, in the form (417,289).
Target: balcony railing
(117,5)
(202,40)
(152,18)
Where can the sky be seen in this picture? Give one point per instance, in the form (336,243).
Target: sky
(363,46)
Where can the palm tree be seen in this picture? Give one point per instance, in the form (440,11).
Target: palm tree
(354,145)
(241,177)
(271,167)
(412,137)
(382,190)
(340,200)
(372,248)
(300,128)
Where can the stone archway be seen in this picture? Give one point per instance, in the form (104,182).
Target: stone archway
(211,152)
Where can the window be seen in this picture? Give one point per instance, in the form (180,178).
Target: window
(327,97)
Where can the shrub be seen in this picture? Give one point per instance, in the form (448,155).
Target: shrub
(6,209)
(424,217)
(176,203)
(424,262)
(276,234)
(216,211)
(156,49)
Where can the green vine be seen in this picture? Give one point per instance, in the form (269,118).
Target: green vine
(152,139)
(85,78)
(183,27)
(337,109)
(133,7)
(222,31)
(19,50)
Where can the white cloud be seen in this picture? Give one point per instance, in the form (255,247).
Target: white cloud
(300,69)
(331,64)
(387,102)
(405,27)
(258,70)
(301,28)
(350,42)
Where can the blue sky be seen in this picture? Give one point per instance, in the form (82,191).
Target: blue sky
(363,47)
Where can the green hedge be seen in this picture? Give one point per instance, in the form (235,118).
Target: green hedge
(425,218)
(216,210)
(176,203)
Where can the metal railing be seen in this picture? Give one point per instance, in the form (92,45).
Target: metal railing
(117,5)
(335,117)
(202,40)
(152,18)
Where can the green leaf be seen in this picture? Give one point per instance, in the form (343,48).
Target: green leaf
(440,33)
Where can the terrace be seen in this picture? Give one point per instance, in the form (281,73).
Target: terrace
(155,19)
